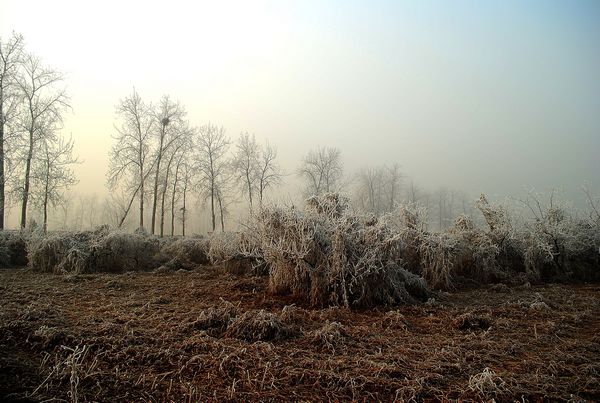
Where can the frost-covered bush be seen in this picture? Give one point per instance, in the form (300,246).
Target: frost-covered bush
(13,248)
(330,255)
(462,250)
(231,250)
(184,253)
(550,245)
(93,251)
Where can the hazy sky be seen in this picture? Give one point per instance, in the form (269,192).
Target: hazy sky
(484,96)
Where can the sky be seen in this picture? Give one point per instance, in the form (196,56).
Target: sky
(485,96)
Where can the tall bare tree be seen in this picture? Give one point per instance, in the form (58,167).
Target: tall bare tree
(172,156)
(211,163)
(41,114)
(169,117)
(52,173)
(371,181)
(393,180)
(322,170)
(11,53)
(186,169)
(245,165)
(269,172)
(131,161)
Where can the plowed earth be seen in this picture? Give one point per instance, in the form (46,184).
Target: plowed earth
(167,337)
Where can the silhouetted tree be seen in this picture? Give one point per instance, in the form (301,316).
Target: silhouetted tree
(169,117)
(245,165)
(40,114)
(211,163)
(269,172)
(322,170)
(11,53)
(131,161)
(52,173)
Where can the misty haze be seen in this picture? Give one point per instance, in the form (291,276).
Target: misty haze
(283,201)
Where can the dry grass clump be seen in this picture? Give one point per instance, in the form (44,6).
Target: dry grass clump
(294,317)
(539,306)
(13,248)
(230,251)
(332,336)
(258,326)
(329,255)
(50,336)
(471,321)
(394,320)
(93,251)
(500,288)
(215,320)
(184,253)
(487,383)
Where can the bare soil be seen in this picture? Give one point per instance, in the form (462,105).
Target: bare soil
(146,337)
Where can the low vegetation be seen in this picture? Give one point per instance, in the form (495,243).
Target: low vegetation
(329,254)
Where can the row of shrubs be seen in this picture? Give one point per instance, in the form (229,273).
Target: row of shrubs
(329,254)
(101,250)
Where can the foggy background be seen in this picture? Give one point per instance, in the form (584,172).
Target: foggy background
(491,97)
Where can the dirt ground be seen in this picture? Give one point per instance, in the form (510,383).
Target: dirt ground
(174,337)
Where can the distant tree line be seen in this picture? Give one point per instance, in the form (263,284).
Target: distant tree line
(159,156)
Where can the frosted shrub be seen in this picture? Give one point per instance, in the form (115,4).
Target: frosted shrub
(185,252)
(92,251)
(329,255)
(13,248)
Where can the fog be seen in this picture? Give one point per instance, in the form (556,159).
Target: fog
(479,97)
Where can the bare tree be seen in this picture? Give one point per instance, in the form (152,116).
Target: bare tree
(41,115)
(245,164)
(182,176)
(379,188)
(371,188)
(322,170)
(11,52)
(178,148)
(413,193)
(211,163)
(170,118)
(186,170)
(269,172)
(393,180)
(113,209)
(130,159)
(52,173)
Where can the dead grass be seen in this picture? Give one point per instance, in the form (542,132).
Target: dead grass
(132,342)
(258,326)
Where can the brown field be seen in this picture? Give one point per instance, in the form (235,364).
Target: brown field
(154,337)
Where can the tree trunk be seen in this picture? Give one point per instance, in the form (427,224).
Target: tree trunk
(128,207)
(2,180)
(26,185)
(45,213)
(212,205)
(163,195)
(221,211)
(183,211)
(175,180)
(46,186)
(155,195)
(162,211)
(142,198)
(249,190)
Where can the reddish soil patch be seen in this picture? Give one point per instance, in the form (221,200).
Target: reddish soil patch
(170,337)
